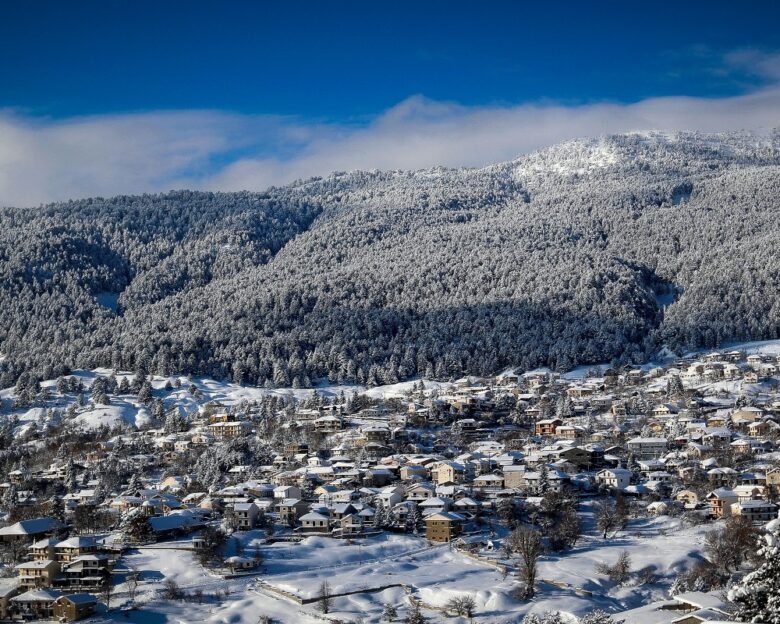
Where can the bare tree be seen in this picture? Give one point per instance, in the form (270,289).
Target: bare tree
(621,509)
(607,518)
(620,571)
(172,590)
(414,615)
(728,547)
(461,605)
(525,543)
(213,541)
(106,591)
(132,579)
(325,599)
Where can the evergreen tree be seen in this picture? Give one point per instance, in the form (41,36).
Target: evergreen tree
(145,393)
(544,479)
(757,595)
(137,530)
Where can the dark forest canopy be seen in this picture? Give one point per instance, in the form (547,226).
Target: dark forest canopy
(566,256)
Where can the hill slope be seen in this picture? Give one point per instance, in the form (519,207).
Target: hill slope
(562,257)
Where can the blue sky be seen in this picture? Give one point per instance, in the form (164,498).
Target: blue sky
(245,94)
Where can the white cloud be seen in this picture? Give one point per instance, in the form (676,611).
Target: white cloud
(45,160)
(755,63)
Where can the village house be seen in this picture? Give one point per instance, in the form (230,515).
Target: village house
(237,563)
(290,509)
(34,604)
(514,477)
(448,472)
(8,589)
(88,572)
(443,526)
(534,481)
(73,547)
(720,501)
(647,448)
(758,429)
(435,505)
(38,573)
(351,524)
(721,476)
(390,496)
(466,505)
(741,417)
(689,498)
(328,424)
(547,426)
(413,473)
(665,409)
(246,516)
(230,429)
(749,491)
(583,458)
(42,549)
(757,511)
(569,432)
(73,607)
(341,510)
(287,491)
(489,481)
(617,478)
(314,522)
(30,529)
(773,477)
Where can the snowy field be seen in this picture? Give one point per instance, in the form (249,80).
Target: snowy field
(431,573)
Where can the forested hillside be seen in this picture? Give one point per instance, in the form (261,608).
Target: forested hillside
(565,256)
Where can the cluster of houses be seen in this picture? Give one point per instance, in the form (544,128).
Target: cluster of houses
(694,436)
(58,575)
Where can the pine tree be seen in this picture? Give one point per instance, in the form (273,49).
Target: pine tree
(99,394)
(136,529)
(175,422)
(55,508)
(379,515)
(145,393)
(413,519)
(134,484)
(70,476)
(544,479)
(414,614)
(389,613)
(10,498)
(757,595)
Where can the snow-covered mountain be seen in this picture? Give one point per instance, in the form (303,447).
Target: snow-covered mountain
(588,251)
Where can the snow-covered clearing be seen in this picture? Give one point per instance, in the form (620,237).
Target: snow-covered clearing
(403,565)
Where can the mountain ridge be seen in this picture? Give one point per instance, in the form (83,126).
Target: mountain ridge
(376,276)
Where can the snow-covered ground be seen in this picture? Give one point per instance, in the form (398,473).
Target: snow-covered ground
(126,409)
(431,573)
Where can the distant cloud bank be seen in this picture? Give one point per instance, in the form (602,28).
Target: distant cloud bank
(43,160)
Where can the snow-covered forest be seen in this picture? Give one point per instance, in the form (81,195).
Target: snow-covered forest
(590,251)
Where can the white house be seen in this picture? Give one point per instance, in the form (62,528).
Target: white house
(618,478)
